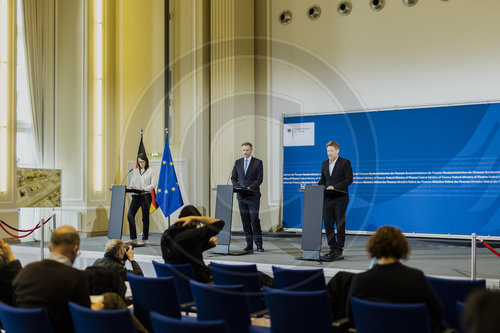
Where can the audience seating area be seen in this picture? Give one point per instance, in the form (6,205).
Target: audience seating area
(451,291)
(247,275)
(167,324)
(299,280)
(153,294)
(86,320)
(299,303)
(375,317)
(24,320)
(298,311)
(182,274)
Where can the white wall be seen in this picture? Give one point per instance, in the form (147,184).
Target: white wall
(436,52)
(432,53)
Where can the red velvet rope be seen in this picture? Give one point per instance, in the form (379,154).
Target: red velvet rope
(490,248)
(29,232)
(18,230)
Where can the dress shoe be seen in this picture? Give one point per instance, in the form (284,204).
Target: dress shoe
(142,243)
(331,253)
(248,249)
(132,242)
(331,257)
(260,248)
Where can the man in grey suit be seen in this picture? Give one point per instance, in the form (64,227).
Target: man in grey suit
(248,173)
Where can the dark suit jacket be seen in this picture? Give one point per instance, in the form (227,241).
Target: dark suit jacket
(253,178)
(50,285)
(340,179)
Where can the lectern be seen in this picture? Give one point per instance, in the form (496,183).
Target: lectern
(117,209)
(312,221)
(224,211)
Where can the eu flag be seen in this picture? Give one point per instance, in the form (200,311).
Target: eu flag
(168,194)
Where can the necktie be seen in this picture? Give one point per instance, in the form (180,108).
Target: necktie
(246,166)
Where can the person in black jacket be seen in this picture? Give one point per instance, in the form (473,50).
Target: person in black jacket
(391,281)
(186,240)
(115,256)
(336,176)
(9,267)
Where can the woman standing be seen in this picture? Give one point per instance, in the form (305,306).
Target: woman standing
(143,178)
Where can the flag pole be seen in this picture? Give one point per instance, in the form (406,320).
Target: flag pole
(166,136)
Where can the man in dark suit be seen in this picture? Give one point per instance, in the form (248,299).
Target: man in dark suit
(52,282)
(248,173)
(336,176)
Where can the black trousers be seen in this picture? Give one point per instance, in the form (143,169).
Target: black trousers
(144,202)
(249,211)
(334,214)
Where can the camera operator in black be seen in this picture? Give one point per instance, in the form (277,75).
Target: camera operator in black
(186,240)
(115,257)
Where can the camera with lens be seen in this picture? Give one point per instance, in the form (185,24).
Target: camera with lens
(125,257)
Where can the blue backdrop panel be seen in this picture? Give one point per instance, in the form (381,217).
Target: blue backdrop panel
(427,170)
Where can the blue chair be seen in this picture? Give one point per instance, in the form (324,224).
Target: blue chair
(153,294)
(376,317)
(298,311)
(449,291)
(460,316)
(182,274)
(167,324)
(24,320)
(87,320)
(299,280)
(227,303)
(246,275)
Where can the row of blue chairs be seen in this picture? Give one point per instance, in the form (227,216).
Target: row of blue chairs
(248,275)
(239,284)
(291,311)
(86,320)
(449,291)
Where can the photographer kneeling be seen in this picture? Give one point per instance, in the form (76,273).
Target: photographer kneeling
(115,257)
(186,240)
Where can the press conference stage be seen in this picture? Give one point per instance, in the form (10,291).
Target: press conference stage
(447,258)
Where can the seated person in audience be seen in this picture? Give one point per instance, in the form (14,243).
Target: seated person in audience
(52,282)
(391,281)
(115,256)
(482,312)
(9,267)
(103,280)
(186,240)
(113,301)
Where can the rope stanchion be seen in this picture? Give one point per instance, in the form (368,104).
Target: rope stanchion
(29,232)
(490,248)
